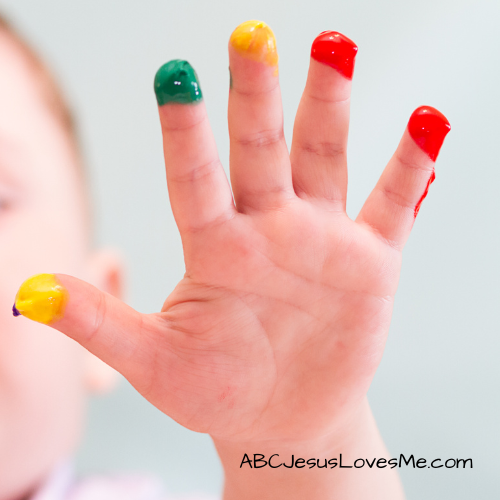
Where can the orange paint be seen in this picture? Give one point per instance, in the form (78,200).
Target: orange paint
(255,40)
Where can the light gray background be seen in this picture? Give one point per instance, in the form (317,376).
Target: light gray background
(436,393)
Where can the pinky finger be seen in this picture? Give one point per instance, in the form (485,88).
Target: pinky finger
(394,203)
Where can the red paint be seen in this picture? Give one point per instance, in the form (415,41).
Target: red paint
(429,182)
(335,50)
(428,128)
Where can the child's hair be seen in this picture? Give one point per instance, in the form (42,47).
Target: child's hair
(50,90)
(54,98)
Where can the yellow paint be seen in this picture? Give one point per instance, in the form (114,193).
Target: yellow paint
(255,40)
(42,298)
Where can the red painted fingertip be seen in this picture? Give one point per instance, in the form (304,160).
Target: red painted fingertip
(428,128)
(335,50)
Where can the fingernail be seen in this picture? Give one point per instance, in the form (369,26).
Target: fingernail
(428,128)
(335,50)
(255,40)
(177,82)
(41,298)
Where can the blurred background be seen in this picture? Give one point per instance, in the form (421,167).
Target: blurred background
(436,393)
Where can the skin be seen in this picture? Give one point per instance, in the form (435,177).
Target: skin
(271,340)
(44,377)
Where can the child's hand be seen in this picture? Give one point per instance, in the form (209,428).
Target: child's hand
(279,324)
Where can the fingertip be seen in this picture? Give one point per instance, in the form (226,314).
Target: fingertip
(428,128)
(254,40)
(177,82)
(41,298)
(335,50)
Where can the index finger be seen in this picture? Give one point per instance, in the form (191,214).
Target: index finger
(198,187)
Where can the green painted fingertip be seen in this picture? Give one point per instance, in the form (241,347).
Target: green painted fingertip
(177,82)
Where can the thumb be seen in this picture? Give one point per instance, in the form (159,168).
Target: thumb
(101,323)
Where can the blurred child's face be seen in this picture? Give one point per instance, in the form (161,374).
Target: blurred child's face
(42,373)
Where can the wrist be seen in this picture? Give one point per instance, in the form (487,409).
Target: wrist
(318,468)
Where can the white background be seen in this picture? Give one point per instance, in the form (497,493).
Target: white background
(436,393)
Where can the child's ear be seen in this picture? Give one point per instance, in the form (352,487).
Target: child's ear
(106,272)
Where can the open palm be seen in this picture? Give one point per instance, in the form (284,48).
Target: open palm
(280,321)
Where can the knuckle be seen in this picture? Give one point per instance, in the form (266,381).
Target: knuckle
(327,149)
(198,172)
(99,317)
(412,165)
(397,198)
(187,124)
(321,99)
(210,224)
(261,139)
(247,90)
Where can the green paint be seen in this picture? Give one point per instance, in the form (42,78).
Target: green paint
(176,81)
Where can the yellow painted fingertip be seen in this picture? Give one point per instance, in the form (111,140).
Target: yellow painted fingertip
(255,40)
(41,298)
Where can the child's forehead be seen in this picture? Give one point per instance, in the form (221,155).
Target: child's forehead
(21,82)
(24,116)
(25,78)
(39,73)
